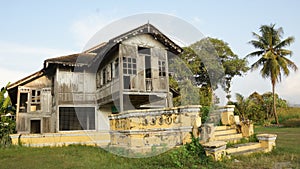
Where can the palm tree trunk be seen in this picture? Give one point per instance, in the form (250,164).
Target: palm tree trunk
(274,104)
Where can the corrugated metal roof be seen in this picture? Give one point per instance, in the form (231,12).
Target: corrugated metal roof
(78,59)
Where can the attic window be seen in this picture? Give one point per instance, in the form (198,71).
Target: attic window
(145,51)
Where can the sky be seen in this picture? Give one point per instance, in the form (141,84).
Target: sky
(32,31)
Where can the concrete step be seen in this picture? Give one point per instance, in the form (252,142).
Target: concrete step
(243,147)
(227,137)
(249,151)
(218,128)
(224,132)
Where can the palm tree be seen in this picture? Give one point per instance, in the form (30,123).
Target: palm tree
(272,53)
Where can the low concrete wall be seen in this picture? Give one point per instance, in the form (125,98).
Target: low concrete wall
(141,130)
(62,139)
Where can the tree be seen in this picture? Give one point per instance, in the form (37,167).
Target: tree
(210,62)
(272,53)
(230,64)
(257,107)
(7,125)
(268,103)
(5,103)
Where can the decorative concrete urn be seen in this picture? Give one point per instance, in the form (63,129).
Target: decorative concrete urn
(247,128)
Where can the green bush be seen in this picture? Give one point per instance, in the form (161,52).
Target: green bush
(7,126)
(205,113)
(192,155)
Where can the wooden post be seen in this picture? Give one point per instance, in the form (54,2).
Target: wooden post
(121,82)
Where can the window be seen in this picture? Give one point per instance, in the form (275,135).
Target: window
(108,73)
(76,118)
(129,66)
(98,79)
(116,72)
(23,102)
(162,68)
(104,76)
(35,100)
(145,51)
(111,70)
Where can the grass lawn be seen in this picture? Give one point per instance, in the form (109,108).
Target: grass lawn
(287,154)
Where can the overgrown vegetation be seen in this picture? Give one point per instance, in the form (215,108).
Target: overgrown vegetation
(289,117)
(192,155)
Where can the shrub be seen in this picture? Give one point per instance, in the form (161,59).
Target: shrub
(192,155)
(7,126)
(295,122)
(205,113)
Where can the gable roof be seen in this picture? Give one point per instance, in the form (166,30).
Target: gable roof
(102,50)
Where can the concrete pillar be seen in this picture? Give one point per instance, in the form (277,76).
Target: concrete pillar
(216,149)
(207,131)
(227,116)
(267,141)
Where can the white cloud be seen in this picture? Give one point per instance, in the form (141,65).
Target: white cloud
(16,49)
(84,28)
(18,61)
(11,76)
(289,88)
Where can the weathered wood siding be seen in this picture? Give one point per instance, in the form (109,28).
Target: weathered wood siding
(75,87)
(44,113)
(108,92)
(158,52)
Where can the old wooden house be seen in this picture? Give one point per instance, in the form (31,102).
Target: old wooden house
(79,91)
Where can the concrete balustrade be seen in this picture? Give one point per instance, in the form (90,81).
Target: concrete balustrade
(140,130)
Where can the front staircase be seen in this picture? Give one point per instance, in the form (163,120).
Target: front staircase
(229,134)
(226,133)
(245,149)
(226,139)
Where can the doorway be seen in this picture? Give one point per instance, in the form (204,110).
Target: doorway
(148,73)
(35,126)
